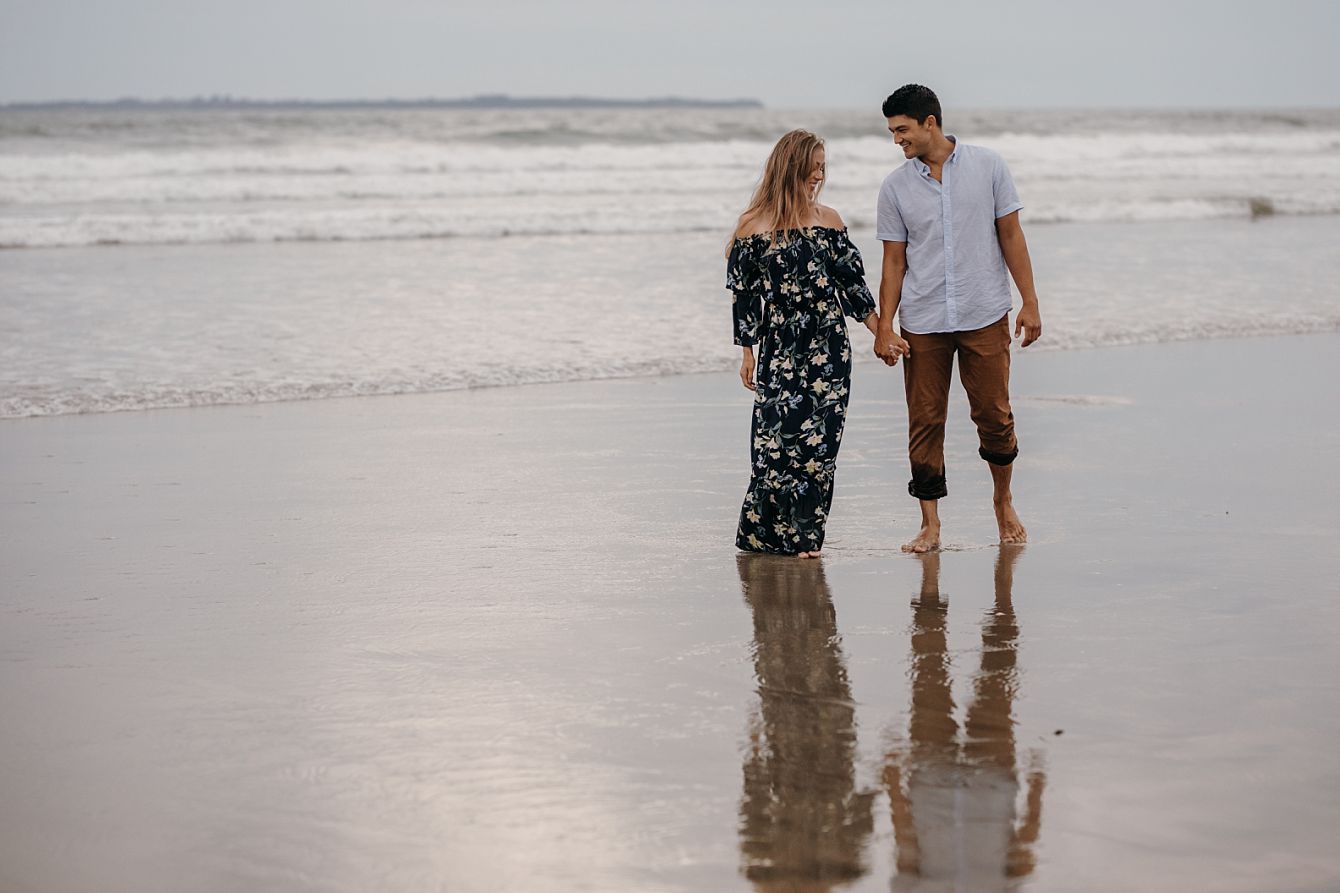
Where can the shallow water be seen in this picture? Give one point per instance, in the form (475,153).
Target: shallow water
(136,327)
(497,640)
(155,257)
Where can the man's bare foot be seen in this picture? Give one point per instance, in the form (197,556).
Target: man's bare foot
(928,540)
(1012,530)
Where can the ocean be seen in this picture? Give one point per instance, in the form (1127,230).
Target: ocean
(154,258)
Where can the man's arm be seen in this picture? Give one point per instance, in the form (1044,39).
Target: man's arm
(889,346)
(1015,248)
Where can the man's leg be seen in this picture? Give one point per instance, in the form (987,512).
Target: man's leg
(984,368)
(926,374)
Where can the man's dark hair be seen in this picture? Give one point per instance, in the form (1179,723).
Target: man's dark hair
(915,101)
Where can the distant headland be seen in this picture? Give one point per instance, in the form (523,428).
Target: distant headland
(487,101)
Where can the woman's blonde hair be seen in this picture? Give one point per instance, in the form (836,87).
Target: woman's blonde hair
(782,200)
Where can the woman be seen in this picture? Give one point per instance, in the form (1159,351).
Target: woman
(794,273)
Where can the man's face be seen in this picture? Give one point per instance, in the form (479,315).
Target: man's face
(913,138)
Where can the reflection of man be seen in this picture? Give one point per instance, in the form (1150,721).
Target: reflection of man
(803,826)
(955,817)
(949,221)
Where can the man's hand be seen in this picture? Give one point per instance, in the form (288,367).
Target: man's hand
(747,369)
(889,347)
(1029,321)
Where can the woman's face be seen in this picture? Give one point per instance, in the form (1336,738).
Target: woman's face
(817,173)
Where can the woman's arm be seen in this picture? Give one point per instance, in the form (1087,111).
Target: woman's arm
(848,270)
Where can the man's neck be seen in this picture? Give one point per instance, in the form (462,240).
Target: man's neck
(939,152)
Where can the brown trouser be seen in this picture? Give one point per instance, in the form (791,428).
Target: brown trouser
(984,369)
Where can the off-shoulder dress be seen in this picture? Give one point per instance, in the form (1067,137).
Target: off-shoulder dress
(792,291)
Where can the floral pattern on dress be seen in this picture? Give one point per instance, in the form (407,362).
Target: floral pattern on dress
(791,294)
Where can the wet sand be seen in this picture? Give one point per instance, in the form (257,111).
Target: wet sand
(498,640)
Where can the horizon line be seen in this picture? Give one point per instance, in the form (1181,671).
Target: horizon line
(483,100)
(505,100)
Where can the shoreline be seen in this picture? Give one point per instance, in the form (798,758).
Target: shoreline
(860,361)
(272,321)
(1250,215)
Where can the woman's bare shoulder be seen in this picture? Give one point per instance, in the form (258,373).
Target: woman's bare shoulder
(750,225)
(829,217)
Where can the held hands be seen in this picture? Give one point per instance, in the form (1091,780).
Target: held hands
(747,369)
(1029,321)
(890,347)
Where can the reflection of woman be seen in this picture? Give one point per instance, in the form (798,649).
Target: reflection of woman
(803,826)
(794,273)
(954,808)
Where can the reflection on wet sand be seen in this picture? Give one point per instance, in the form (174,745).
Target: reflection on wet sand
(954,798)
(803,824)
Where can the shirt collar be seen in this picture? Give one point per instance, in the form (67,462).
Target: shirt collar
(925,168)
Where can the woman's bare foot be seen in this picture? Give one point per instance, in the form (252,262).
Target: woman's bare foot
(928,540)
(1012,530)
(815,554)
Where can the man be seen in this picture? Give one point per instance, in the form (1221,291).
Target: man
(949,221)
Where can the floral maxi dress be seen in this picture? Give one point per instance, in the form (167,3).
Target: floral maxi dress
(791,293)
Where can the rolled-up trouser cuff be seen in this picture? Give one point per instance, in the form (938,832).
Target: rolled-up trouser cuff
(998,458)
(928,488)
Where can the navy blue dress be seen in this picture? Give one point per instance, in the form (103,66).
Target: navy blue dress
(790,299)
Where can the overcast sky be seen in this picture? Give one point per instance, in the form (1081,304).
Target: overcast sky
(801,54)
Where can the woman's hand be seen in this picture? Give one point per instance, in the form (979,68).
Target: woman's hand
(747,369)
(890,347)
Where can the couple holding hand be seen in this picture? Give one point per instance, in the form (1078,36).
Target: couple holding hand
(949,222)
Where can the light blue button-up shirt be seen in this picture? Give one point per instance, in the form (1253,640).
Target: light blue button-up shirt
(956,278)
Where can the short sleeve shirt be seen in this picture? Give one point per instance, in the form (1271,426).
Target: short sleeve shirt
(956,278)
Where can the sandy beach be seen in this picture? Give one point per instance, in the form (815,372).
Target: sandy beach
(499,640)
